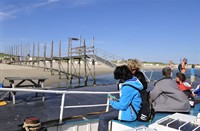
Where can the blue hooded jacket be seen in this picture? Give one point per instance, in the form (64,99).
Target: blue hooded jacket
(128,95)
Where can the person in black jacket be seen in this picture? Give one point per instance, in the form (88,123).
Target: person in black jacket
(135,65)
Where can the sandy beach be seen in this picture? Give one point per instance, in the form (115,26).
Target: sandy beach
(52,81)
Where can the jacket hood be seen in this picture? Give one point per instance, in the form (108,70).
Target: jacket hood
(134,82)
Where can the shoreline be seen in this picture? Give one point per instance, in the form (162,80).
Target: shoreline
(53,80)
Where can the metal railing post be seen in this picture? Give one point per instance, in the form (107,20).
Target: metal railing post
(13,93)
(108,103)
(62,108)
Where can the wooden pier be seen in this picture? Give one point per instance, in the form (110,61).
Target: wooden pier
(79,62)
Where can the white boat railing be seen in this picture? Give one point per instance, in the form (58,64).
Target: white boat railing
(62,107)
(150,76)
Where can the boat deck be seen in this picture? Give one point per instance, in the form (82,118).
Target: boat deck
(13,115)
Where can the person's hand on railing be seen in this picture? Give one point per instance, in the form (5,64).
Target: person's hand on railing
(110,97)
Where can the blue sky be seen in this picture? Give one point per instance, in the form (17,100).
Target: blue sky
(149,30)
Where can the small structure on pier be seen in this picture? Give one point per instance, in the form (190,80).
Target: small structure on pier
(81,55)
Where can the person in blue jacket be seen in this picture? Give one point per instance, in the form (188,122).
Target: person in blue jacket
(128,95)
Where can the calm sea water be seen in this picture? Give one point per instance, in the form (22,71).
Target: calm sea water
(108,79)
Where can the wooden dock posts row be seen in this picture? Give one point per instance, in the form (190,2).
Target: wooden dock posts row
(79,63)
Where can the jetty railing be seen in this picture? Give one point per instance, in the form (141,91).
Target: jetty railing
(62,107)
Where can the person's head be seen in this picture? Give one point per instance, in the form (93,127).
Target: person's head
(180,77)
(193,65)
(167,72)
(185,60)
(134,65)
(170,62)
(122,73)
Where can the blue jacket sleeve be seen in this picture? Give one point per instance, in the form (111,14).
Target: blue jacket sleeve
(197,91)
(125,99)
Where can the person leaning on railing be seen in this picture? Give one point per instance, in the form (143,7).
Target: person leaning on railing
(128,95)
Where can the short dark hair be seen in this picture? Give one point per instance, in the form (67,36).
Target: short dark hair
(166,71)
(122,73)
(181,76)
(193,65)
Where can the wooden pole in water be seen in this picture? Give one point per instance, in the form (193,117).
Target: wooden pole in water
(11,50)
(25,55)
(44,60)
(13,53)
(68,58)
(70,75)
(93,62)
(14,50)
(38,55)
(33,55)
(79,64)
(79,72)
(29,54)
(21,56)
(85,63)
(59,61)
(51,63)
